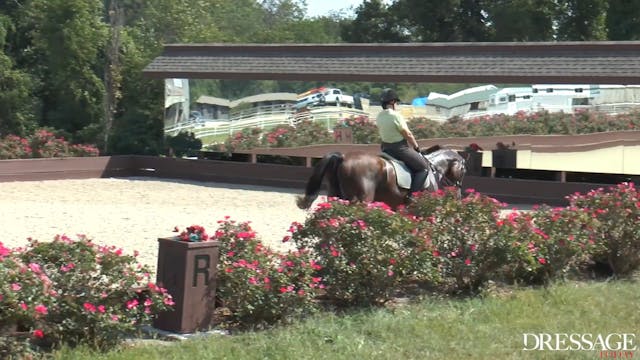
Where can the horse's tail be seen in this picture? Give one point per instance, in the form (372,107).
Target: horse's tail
(327,166)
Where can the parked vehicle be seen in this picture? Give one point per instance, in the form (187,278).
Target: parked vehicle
(334,96)
(314,99)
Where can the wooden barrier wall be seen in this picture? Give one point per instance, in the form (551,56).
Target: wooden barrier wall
(517,191)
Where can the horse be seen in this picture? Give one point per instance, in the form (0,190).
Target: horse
(366,177)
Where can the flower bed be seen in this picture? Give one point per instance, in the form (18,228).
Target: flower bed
(42,144)
(68,292)
(364,130)
(74,291)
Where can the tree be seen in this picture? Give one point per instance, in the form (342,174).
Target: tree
(582,20)
(443,20)
(68,37)
(623,20)
(374,22)
(522,20)
(16,102)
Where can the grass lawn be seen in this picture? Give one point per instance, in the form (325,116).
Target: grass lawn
(489,327)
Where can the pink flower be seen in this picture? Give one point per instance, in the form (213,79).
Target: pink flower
(467,261)
(389,273)
(324,205)
(246,235)
(436,253)
(35,268)
(38,333)
(168,301)
(115,318)
(89,307)
(23,306)
(101,309)
(16,287)
(253,280)
(69,266)
(41,309)
(3,251)
(132,303)
(542,261)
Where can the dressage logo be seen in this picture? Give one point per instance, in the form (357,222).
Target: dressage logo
(606,346)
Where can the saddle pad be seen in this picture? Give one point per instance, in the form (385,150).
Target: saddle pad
(403,174)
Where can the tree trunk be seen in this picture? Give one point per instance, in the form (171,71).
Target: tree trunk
(112,71)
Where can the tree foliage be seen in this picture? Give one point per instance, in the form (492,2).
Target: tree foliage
(76,65)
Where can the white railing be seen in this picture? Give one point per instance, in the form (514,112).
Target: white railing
(612,109)
(277,115)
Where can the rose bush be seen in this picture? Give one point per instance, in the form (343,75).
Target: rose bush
(70,292)
(364,130)
(617,212)
(363,251)
(567,237)
(468,246)
(258,286)
(42,144)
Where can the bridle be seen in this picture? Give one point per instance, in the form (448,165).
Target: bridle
(444,179)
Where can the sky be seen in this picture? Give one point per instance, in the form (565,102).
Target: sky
(323,7)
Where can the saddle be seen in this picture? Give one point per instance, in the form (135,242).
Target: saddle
(404,175)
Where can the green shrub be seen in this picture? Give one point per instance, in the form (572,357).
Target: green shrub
(617,211)
(71,292)
(364,130)
(258,286)
(244,139)
(365,250)
(182,144)
(42,144)
(468,245)
(280,136)
(567,238)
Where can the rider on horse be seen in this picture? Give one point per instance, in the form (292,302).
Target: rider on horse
(398,141)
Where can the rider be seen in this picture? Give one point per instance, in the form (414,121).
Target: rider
(398,141)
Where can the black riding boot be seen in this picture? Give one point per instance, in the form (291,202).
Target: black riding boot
(417,182)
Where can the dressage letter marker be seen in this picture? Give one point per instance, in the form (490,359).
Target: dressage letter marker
(188,271)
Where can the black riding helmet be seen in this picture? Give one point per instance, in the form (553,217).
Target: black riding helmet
(388,95)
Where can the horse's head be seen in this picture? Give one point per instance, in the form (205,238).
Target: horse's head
(450,165)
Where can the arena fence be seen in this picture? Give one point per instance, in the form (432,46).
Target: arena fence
(242,171)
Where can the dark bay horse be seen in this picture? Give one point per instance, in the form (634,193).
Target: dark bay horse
(359,176)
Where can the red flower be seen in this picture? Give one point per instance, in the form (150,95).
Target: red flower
(41,309)
(467,261)
(542,261)
(38,333)
(89,307)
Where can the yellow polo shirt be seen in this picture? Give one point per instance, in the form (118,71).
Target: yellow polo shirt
(389,124)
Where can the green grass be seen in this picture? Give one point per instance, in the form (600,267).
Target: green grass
(475,328)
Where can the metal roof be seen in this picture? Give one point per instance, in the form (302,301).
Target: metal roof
(463,99)
(605,62)
(279,96)
(212,100)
